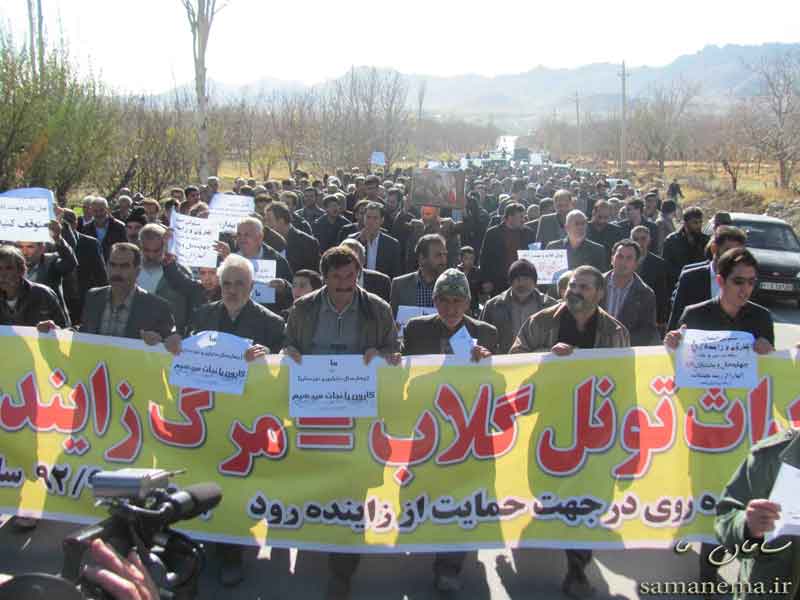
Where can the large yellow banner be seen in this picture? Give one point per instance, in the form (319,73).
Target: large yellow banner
(595,450)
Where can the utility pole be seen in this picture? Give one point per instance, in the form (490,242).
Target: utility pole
(578,120)
(622,122)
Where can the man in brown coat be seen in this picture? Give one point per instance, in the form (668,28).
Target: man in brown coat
(341,318)
(578,322)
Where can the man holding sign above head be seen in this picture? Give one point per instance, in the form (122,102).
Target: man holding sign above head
(580,250)
(49,268)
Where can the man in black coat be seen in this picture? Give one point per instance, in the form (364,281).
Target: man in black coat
(326,228)
(600,230)
(634,208)
(500,246)
(653,271)
(374,282)
(580,251)
(382,251)
(91,271)
(687,245)
(700,284)
(302,250)
(104,228)
(21,302)
(49,268)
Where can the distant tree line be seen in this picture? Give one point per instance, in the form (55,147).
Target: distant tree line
(668,123)
(65,130)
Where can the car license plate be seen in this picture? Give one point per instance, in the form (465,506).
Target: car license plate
(776,287)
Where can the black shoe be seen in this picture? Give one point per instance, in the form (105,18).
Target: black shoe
(231,568)
(338,588)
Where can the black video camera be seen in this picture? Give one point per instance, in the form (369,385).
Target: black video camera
(142,510)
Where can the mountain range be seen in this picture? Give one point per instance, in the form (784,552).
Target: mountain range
(723,73)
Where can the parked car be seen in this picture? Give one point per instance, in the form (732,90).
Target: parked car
(775,245)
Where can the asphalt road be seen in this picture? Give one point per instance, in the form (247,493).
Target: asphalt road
(488,575)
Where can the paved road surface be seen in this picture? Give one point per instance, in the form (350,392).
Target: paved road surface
(489,575)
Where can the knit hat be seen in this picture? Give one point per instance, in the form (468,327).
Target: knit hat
(451,283)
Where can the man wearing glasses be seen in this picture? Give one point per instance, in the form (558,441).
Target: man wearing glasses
(731,310)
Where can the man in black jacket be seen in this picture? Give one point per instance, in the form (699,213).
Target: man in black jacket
(374,282)
(580,251)
(326,228)
(500,246)
(302,250)
(382,251)
(21,302)
(653,271)
(634,209)
(687,245)
(49,268)
(731,309)
(91,271)
(700,284)
(104,228)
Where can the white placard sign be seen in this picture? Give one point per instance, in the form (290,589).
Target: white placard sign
(211,361)
(25,219)
(228,210)
(405,313)
(716,359)
(333,386)
(264,273)
(784,492)
(193,240)
(550,264)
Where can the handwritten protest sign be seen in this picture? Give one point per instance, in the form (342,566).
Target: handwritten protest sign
(716,359)
(25,215)
(193,240)
(227,210)
(333,386)
(550,264)
(264,273)
(211,361)
(438,187)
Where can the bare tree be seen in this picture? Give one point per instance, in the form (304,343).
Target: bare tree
(290,117)
(40,33)
(423,87)
(201,15)
(773,125)
(32,37)
(659,117)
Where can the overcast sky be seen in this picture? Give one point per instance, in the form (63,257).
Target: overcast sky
(145,45)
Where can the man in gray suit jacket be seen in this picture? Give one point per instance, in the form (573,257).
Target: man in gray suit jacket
(551,227)
(123,309)
(628,299)
(416,289)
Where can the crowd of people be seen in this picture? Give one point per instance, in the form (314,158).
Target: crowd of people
(351,248)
